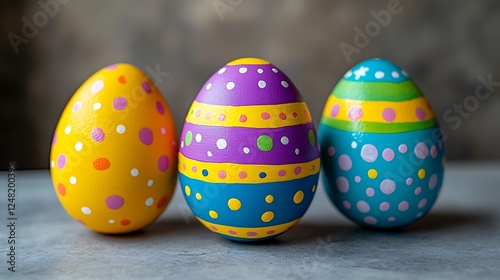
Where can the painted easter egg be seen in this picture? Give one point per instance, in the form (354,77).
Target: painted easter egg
(381,148)
(249,157)
(114,152)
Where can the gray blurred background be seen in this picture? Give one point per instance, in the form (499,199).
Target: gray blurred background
(446,46)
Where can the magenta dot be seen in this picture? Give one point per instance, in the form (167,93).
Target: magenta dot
(342,184)
(119,103)
(146,136)
(387,186)
(163,163)
(77,106)
(370,192)
(331,151)
(402,148)
(222,174)
(433,181)
(363,206)
(355,113)
(335,110)
(114,202)
(194,168)
(265,116)
(251,233)
(388,154)
(370,220)
(112,66)
(146,87)
(403,206)
(346,204)
(98,135)
(61,161)
(270,232)
(198,113)
(221,117)
(418,190)
(232,232)
(214,228)
(420,114)
(388,114)
(54,139)
(297,170)
(357,179)
(384,206)
(434,151)
(345,162)
(281,173)
(409,181)
(422,203)
(421,150)
(242,175)
(159,108)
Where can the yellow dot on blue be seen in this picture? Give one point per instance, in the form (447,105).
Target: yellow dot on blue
(204,172)
(262,175)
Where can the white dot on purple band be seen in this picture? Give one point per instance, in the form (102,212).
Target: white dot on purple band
(230,85)
(262,84)
(260,71)
(222,70)
(284,84)
(243,70)
(209,85)
(275,70)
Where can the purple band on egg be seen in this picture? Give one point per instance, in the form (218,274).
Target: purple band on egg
(273,146)
(248,84)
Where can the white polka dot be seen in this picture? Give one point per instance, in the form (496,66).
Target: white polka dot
(198,138)
(134,172)
(221,144)
(97,86)
(97,106)
(404,73)
(297,151)
(284,84)
(284,140)
(209,154)
(111,221)
(379,74)
(209,85)
(260,71)
(52,164)
(262,84)
(230,85)
(222,70)
(67,129)
(150,183)
(395,74)
(120,129)
(348,74)
(163,131)
(246,150)
(149,201)
(275,70)
(243,70)
(72,180)
(182,144)
(86,210)
(354,144)
(78,146)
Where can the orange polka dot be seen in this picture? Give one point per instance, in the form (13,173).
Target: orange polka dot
(61,189)
(122,79)
(125,222)
(101,164)
(162,202)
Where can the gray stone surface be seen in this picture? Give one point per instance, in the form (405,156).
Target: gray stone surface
(459,239)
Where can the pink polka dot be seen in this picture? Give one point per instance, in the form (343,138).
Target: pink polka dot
(146,136)
(251,233)
(357,179)
(265,116)
(163,163)
(346,204)
(61,161)
(294,114)
(440,145)
(391,219)
(369,153)
(384,206)
(221,117)
(146,87)
(421,150)
(420,114)
(418,190)
(214,228)
(54,139)
(297,170)
(409,181)
(114,202)
(433,181)
(270,232)
(387,186)
(98,135)
(370,220)
(402,148)
(370,192)
(198,113)
(77,106)
(159,108)
(208,115)
(232,232)
(242,175)
(331,151)
(362,206)
(403,206)
(184,166)
(422,203)
(434,151)
(335,110)
(222,174)
(282,116)
(119,103)
(194,169)
(419,214)
(281,173)
(112,66)
(389,114)
(388,154)
(345,162)
(243,118)
(342,184)
(355,113)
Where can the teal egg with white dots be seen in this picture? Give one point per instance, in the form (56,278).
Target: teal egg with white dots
(382,152)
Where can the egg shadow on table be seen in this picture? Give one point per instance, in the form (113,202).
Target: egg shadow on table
(445,220)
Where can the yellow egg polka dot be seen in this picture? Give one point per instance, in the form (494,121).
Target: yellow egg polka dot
(267,216)
(372,173)
(213,214)
(187,189)
(198,196)
(421,173)
(269,199)
(314,188)
(298,197)
(234,204)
